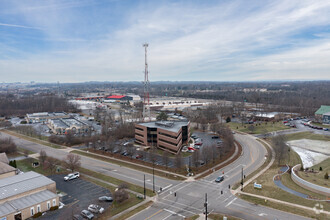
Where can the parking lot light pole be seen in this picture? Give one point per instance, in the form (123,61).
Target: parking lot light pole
(153,176)
(205,204)
(242,182)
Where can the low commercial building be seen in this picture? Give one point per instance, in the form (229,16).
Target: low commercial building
(65,125)
(44,116)
(24,195)
(326,118)
(118,98)
(167,135)
(5,169)
(323,110)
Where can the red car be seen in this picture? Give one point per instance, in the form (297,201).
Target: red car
(191,148)
(199,143)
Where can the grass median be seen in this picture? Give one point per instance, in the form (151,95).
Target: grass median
(307,135)
(135,211)
(283,207)
(129,165)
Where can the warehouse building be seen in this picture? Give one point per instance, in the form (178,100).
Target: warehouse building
(166,135)
(24,195)
(5,169)
(44,116)
(65,125)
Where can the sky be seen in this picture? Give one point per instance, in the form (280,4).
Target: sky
(225,40)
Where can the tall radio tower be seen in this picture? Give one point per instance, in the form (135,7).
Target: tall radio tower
(146,106)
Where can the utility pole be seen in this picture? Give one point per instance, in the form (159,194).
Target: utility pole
(144,186)
(205,205)
(242,182)
(153,163)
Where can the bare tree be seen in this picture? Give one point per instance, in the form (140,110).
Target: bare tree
(51,164)
(42,157)
(196,158)
(165,158)
(72,161)
(178,161)
(280,148)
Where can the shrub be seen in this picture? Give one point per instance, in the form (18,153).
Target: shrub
(38,214)
(326,176)
(321,169)
(53,208)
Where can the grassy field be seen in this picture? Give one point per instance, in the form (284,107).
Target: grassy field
(115,181)
(283,207)
(115,207)
(132,166)
(318,178)
(307,135)
(26,165)
(134,211)
(258,128)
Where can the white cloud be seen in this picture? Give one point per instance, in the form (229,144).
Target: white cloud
(230,41)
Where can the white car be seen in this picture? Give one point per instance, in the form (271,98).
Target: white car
(72,176)
(95,208)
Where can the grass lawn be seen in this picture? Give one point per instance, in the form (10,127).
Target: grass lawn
(216,216)
(307,135)
(26,165)
(132,166)
(194,217)
(134,211)
(258,128)
(116,181)
(21,150)
(318,178)
(14,155)
(283,207)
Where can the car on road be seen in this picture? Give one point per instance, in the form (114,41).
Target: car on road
(95,208)
(72,176)
(87,214)
(105,198)
(219,179)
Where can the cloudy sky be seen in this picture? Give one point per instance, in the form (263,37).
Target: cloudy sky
(101,40)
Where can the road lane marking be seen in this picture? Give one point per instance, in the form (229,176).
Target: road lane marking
(178,189)
(184,205)
(230,202)
(262,214)
(159,211)
(166,187)
(167,217)
(177,207)
(174,213)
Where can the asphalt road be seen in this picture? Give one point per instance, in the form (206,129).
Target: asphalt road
(182,199)
(187,198)
(119,172)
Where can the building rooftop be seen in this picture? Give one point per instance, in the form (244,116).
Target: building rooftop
(323,109)
(67,122)
(115,97)
(26,201)
(4,158)
(46,114)
(173,126)
(21,183)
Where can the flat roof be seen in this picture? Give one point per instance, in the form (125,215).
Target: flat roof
(21,183)
(46,114)
(173,126)
(67,122)
(26,201)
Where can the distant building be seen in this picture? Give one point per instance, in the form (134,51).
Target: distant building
(44,116)
(324,109)
(91,98)
(118,98)
(65,125)
(5,169)
(326,118)
(167,135)
(23,195)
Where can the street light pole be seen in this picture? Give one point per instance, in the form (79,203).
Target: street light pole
(144,186)
(205,204)
(242,182)
(153,176)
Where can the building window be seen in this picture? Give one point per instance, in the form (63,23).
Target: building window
(54,202)
(48,205)
(38,208)
(32,211)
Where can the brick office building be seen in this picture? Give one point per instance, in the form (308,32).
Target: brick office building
(167,135)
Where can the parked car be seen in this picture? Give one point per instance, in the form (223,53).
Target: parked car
(184,149)
(124,153)
(191,148)
(72,176)
(139,156)
(87,214)
(106,199)
(325,129)
(219,179)
(198,143)
(77,217)
(197,146)
(215,137)
(95,208)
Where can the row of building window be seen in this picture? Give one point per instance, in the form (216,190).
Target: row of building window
(168,135)
(171,143)
(39,207)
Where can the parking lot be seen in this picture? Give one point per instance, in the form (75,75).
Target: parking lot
(79,194)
